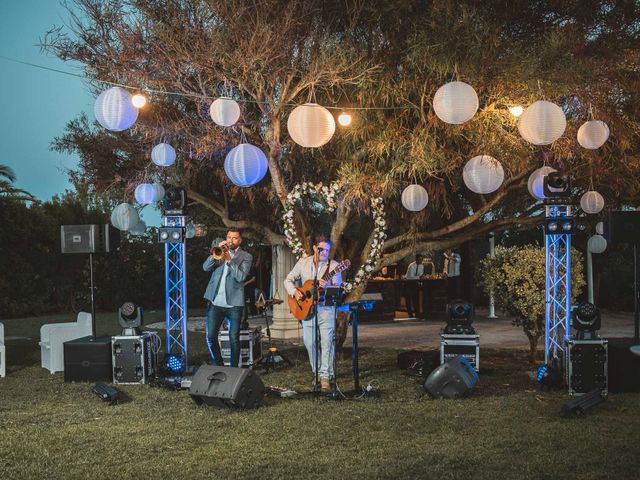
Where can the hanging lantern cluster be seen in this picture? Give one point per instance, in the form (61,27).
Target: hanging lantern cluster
(146,193)
(163,155)
(592,202)
(483,174)
(311,125)
(414,198)
(114,109)
(593,134)
(455,102)
(124,217)
(245,165)
(597,244)
(139,229)
(542,123)
(225,112)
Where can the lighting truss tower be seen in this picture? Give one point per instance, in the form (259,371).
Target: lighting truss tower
(175,267)
(558,284)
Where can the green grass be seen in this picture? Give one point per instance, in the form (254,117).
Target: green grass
(505,429)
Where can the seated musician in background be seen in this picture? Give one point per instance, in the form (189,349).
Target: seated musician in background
(304,270)
(414,272)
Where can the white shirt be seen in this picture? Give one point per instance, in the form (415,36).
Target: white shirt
(414,271)
(454,265)
(221,297)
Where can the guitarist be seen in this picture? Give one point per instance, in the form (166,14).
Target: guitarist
(307,269)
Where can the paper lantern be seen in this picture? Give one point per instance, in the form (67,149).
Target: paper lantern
(592,202)
(140,228)
(483,174)
(145,193)
(536,179)
(124,217)
(415,198)
(245,165)
(455,102)
(600,228)
(190,230)
(114,111)
(224,111)
(163,155)
(159,191)
(311,125)
(542,123)
(593,134)
(597,244)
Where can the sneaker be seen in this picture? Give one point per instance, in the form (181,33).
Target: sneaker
(325,384)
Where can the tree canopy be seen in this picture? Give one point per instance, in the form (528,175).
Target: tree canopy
(380,60)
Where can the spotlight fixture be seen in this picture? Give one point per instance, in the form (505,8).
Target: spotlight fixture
(516,111)
(556,187)
(558,226)
(460,318)
(549,375)
(174,363)
(130,318)
(171,234)
(139,100)
(586,320)
(344,119)
(175,201)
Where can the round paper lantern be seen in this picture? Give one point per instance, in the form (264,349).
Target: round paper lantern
(592,202)
(224,111)
(455,102)
(542,123)
(159,191)
(600,228)
(311,125)
(114,111)
(415,198)
(483,174)
(593,134)
(163,155)
(535,183)
(245,165)
(124,217)
(190,231)
(597,244)
(140,228)
(145,193)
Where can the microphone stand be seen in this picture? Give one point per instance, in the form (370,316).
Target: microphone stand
(316,327)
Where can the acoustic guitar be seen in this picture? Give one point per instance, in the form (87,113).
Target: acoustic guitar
(301,308)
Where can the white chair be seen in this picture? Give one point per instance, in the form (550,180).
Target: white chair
(53,336)
(3,354)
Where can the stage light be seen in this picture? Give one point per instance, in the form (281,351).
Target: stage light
(164,236)
(516,111)
(174,363)
(171,234)
(460,318)
(556,187)
(567,226)
(549,376)
(557,226)
(344,119)
(175,201)
(139,100)
(586,320)
(552,226)
(130,318)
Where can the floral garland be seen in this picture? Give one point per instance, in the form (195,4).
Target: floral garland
(329,194)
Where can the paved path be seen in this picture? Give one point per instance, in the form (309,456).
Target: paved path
(415,334)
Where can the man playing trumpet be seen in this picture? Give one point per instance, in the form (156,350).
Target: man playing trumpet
(225,292)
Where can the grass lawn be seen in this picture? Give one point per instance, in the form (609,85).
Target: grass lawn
(507,428)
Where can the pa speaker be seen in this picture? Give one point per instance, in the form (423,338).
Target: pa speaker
(226,387)
(451,379)
(88,359)
(622,227)
(89,238)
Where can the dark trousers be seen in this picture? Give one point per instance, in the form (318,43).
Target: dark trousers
(215,317)
(412,299)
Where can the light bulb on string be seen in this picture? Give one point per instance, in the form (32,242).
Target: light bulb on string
(516,111)
(139,100)
(344,119)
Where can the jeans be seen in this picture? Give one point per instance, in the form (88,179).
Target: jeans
(215,317)
(327,328)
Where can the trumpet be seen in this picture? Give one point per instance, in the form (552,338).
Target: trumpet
(220,251)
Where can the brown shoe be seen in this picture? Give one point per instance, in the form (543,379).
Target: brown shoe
(325,384)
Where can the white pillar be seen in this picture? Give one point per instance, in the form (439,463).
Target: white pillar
(590,275)
(492,252)
(284,324)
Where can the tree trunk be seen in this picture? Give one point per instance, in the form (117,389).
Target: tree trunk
(533,346)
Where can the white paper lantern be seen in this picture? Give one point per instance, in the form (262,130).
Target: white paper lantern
(597,244)
(600,228)
(124,217)
(311,125)
(592,202)
(140,228)
(455,102)
(163,155)
(483,174)
(415,198)
(159,191)
(114,111)
(145,194)
(536,179)
(593,134)
(542,123)
(245,165)
(224,111)
(190,231)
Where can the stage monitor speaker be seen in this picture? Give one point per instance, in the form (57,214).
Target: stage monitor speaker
(622,227)
(88,359)
(89,238)
(228,387)
(452,379)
